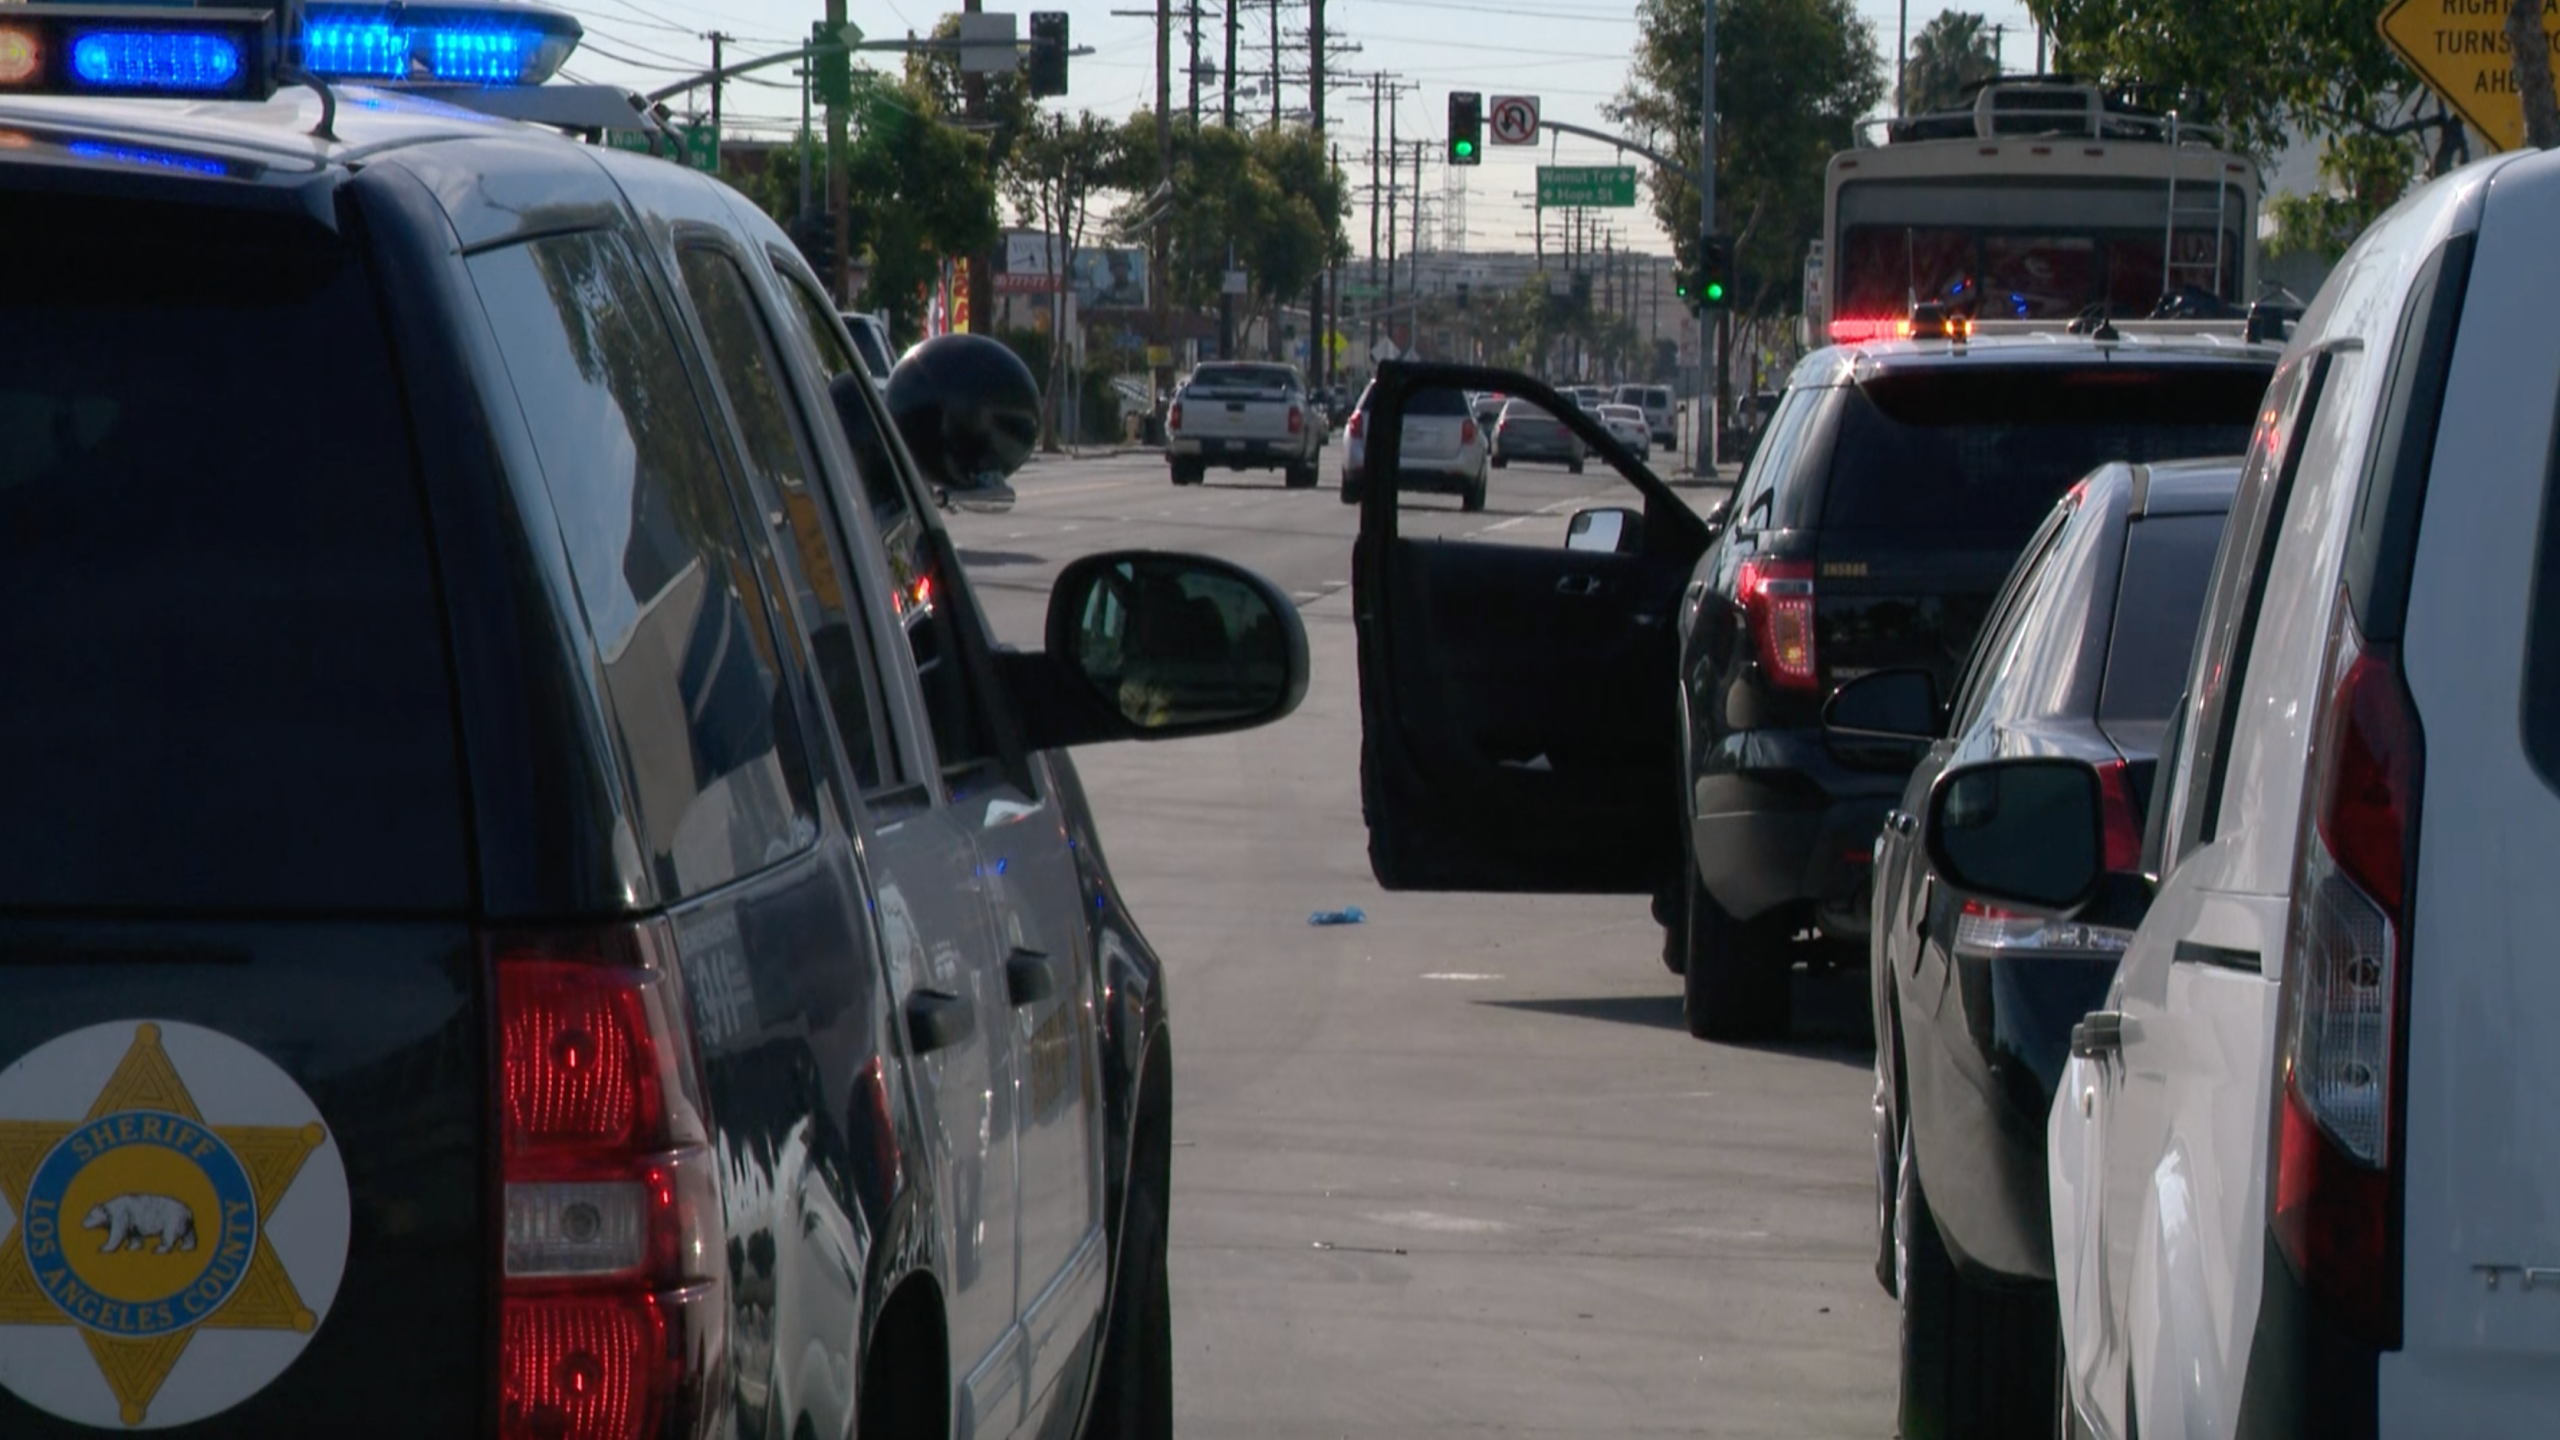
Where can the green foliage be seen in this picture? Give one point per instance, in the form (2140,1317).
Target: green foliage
(2362,176)
(2261,68)
(1951,52)
(1793,77)
(920,189)
(1272,193)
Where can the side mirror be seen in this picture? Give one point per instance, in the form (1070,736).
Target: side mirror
(969,410)
(1160,645)
(1614,531)
(1720,512)
(2024,830)
(1886,705)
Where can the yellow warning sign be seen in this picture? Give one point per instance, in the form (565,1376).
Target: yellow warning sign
(2459,47)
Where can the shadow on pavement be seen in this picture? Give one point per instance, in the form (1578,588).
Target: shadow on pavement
(1659,1011)
(999,557)
(1831,1015)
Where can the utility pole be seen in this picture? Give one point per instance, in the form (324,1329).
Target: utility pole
(1394,104)
(1227,77)
(808,78)
(1158,292)
(978,280)
(1193,14)
(717,40)
(1319,335)
(1275,64)
(1711,336)
(1901,50)
(1377,117)
(840,220)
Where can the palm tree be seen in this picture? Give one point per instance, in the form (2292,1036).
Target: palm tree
(1951,52)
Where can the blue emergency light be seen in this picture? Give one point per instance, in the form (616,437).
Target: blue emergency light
(160,50)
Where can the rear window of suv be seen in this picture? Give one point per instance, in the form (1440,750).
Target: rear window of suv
(224,655)
(1986,451)
(1245,377)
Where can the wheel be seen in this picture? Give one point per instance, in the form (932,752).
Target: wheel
(1189,472)
(1135,1398)
(1574,465)
(1977,1361)
(1350,493)
(1300,477)
(1473,499)
(1734,980)
(1501,462)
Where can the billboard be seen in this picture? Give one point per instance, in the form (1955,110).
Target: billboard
(1111,278)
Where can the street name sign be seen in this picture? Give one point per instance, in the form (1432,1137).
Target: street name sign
(1612,186)
(2459,47)
(1513,119)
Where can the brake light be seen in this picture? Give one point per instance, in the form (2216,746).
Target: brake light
(613,1297)
(1777,603)
(1359,424)
(2120,819)
(1466,432)
(1297,419)
(1876,327)
(2338,1031)
(1173,416)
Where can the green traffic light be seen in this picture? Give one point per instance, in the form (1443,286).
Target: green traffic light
(1466,147)
(1714,291)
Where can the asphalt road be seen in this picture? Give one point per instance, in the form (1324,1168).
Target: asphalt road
(1459,1170)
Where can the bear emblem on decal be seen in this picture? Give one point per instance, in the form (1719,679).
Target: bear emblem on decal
(132,1220)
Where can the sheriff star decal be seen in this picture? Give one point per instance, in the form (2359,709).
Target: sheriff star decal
(176,1224)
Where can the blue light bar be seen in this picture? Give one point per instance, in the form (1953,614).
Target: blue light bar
(478,42)
(177,61)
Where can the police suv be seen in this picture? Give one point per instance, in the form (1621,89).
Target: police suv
(530,904)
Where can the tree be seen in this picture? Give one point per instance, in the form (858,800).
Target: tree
(2363,175)
(1793,77)
(1949,54)
(1052,176)
(2530,43)
(921,190)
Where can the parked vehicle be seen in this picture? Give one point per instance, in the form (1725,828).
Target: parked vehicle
(1627,423)
(1528,430)
(1660,410)
(1241,416)
(871,343)
(1899,483)
(2083,655)
(542,912)
(2300,1166)
(1443,450)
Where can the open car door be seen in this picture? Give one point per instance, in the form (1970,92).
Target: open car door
(1518,693)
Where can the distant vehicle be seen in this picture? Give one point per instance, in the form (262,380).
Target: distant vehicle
(1442,450)
(2083,655)
(1589,397)
(1626,422)
(1527,430)
(2040,199)
(1244,416)
(1486,406)
(1660,410)
(871,345)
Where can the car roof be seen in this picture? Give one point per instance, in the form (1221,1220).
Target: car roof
(261,138)
(2168,487)
(1865,360)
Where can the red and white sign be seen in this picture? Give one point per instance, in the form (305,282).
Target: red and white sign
(1014,282)
(1513,119)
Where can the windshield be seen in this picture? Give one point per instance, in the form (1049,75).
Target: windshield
(1245,377)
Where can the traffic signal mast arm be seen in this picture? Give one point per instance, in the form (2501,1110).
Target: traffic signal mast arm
(819,50)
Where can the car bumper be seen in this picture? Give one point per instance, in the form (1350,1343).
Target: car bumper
(1428,479)
(1779,820)
(1982,1075)
(1538,450)
(1238,454)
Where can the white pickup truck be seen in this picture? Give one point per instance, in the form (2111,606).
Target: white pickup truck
(1244,416)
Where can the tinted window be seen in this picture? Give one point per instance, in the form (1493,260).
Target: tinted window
(1247,377)
(1775,455)
(2008,613)
(705,727)
(1438,400)
(1987,452)
(816,330)
(224,657)
(2167,562)
(2049,668)
(749,375)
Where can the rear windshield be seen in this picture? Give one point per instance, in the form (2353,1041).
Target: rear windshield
(1245,377)
(1438,400)
(2167,561)
(226,670)
(1987,451)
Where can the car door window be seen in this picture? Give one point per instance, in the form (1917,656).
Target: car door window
(1999,634)
(778,458)
(706,729)
(2238,590)
(1775,456)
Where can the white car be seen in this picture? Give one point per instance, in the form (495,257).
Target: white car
(1655,401)
(1442,449)
(2303,1170)
(1627,423)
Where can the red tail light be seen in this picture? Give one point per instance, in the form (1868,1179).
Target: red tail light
(614,1299)
(1173,416)
(1777,603)
(2338,1032)
(1359,425)
(2121,819)
(1297,420)
(1466,432)
(1851,329)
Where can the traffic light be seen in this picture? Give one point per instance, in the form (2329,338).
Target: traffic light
(1048,65)
(1466,127)
(833,64)
(1715,272)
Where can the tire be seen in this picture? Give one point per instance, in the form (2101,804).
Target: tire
(1735,980)
(1573,466)
(1350,493)
(1300,477)
(1473,499)
(1501,462)
(1193,473)
(1134,1400)
(1977,1361)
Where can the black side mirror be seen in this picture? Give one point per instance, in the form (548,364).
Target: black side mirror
(2026,831)
(970,412)
(1151,645)
(1885,705)
(1613,531)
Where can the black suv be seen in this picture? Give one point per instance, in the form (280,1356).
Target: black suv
(1650,719)
(531,904)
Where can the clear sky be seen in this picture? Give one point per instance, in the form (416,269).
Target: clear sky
(1572,54)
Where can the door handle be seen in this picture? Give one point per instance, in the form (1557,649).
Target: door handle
(1578,585)
(1029,978)
(2099,1035)
(938,1020)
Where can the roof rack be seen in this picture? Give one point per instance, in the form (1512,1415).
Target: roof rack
(2051,105)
